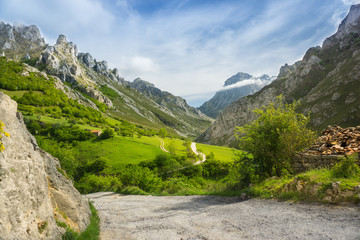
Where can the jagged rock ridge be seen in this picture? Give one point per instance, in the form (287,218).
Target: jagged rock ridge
(26,40)
(235,87)
(33,193)
(326,81)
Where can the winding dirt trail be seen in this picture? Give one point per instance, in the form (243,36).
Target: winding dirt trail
(211,217)
(193,148)
(162,145)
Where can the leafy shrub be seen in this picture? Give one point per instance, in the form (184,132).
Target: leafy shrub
(142,177)
(347,167)
(93,183)
(275,137)
(108,133)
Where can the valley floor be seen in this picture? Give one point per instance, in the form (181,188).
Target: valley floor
(214,217)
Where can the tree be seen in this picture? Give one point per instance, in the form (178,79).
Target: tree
(162,132)
(108,133)
(275,137)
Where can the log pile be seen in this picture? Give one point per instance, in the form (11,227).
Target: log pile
(337,141)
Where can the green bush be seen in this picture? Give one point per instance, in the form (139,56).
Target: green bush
(275,137)
(108,133)
(93,183)
(347,167)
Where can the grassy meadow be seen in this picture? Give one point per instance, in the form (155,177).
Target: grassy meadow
(119,151)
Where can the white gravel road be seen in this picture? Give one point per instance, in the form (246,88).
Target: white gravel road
(212,217)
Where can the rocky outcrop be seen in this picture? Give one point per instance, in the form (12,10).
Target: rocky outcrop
(18,41)
(326,81)
(61,61)
(235,87)
(33,192)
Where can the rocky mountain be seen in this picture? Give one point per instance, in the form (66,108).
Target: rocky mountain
(20,41)
(235,87)
(94,84)
(326,81)
(177,105)
(34,194)
(240,76)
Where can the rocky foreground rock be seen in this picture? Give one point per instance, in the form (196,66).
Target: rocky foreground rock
(33,192)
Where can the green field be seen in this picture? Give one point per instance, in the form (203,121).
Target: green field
(119,151)
(18,93)
(221,153)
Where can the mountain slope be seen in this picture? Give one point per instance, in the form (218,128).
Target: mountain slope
(326,80)
(235,87)
(94,84)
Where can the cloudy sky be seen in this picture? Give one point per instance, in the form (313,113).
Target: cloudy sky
(186,47)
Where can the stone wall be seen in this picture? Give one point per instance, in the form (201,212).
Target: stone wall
(304,161)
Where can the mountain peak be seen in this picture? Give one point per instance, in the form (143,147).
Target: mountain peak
(350,24)
(240,76)
(351,18)
(61,39)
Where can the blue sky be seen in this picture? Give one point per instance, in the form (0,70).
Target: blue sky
(186,47)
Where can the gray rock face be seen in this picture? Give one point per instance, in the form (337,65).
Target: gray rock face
(33,193)
(17,41)
(62,61)
(87,59)
(326,81)
(226,96)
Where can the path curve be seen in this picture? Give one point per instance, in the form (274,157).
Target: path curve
(162,145)
(212,217)
(194,149)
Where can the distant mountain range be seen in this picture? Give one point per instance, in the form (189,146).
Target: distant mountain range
(235,87)
(326,81)
(88,81)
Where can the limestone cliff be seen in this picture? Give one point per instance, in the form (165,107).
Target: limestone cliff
(61,60)
(33,193)
(326,81)
(19,41)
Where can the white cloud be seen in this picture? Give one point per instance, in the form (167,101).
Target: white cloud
(143,64)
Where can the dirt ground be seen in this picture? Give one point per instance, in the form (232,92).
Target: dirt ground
(213,217)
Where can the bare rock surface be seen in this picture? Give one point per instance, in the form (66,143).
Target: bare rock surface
(33,193)
(212,217)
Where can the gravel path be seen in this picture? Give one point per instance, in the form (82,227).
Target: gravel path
(211,217)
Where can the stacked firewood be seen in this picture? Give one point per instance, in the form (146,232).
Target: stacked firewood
(337,141)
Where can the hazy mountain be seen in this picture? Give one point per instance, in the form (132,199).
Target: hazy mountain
(235,87)
(326,80)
